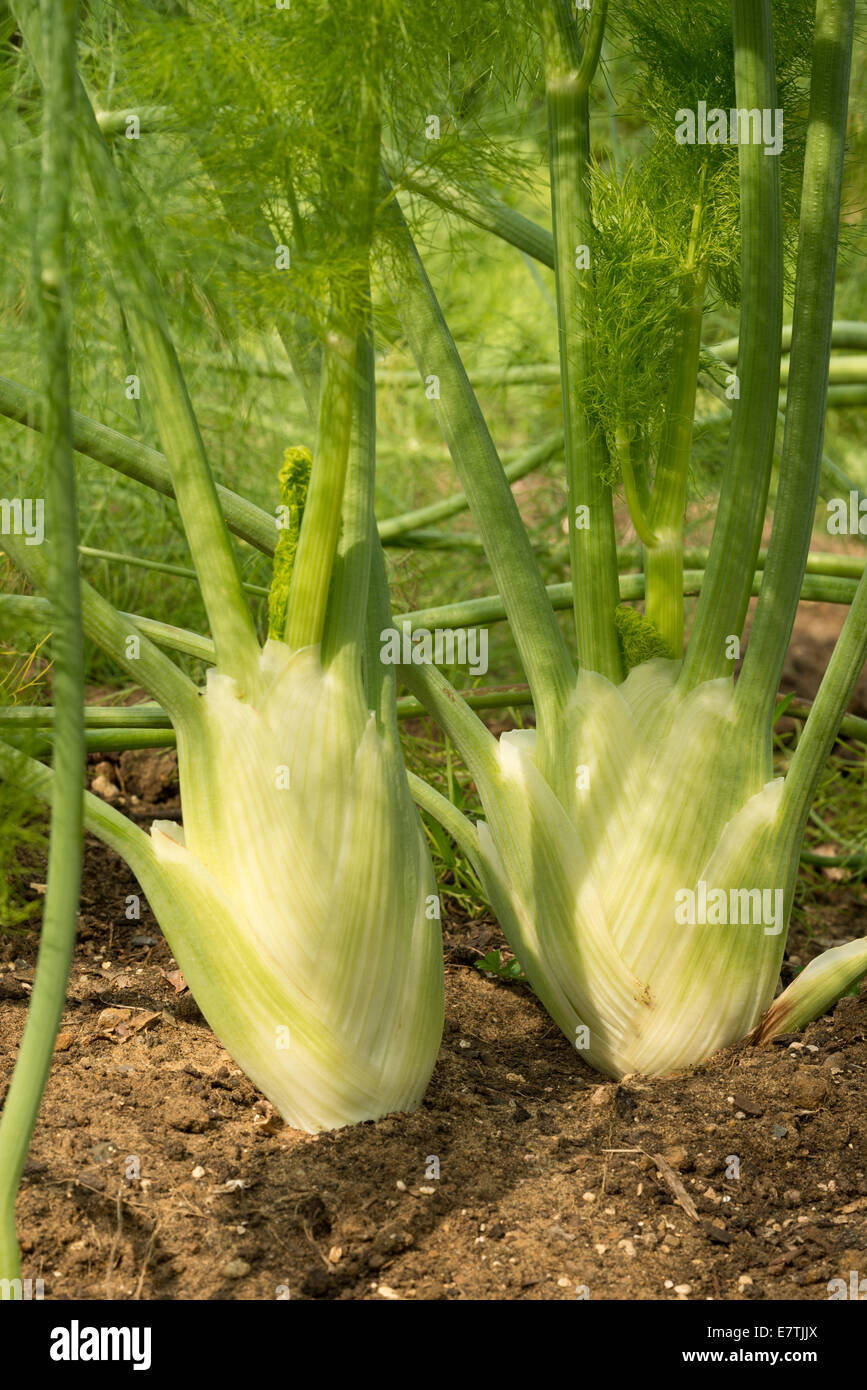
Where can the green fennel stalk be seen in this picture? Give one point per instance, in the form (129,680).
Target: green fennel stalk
(57,939)
(568,74)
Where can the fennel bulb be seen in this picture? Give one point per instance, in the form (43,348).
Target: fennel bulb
(640,881)
(299,899)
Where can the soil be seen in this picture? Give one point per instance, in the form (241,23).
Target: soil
(158,1172)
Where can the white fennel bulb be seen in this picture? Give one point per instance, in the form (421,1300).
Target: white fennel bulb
(299,899)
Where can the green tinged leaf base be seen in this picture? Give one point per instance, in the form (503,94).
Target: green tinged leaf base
(648,794)
(298,898)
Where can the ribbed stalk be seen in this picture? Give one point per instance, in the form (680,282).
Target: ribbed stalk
(317,544)
(340,391)
(57,937)
(540,643)
(743,496)
(592,548)
(347,612)
(801,461)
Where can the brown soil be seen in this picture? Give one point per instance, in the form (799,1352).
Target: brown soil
(157,1171)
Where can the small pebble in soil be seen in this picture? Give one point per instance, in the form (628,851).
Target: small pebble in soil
(235,1269)
(186,1115)
(677,1157)
(808,1089)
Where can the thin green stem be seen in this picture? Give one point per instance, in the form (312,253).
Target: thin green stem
(842,397)
(541,647)
(635,490)
(592,544)
(480,207)
(664,562)
(846,334)
(149,726)
(157,567)
(37,613)
(142,716)
(395,526)
(801,460)
(380,678)
(476,745)
(816,588)
(115,634)
(102,820)
(743,496)
(435,540)
(818,562)
(833,480)
(57,936)
(108,740)
(344,632)
(317,544)
(139,295)
(829,706)
(461,829)
(136,461)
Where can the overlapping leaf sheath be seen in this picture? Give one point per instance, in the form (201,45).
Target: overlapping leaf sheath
(596,874)
(298,899)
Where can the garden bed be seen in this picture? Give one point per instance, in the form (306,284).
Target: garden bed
(548,1181)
